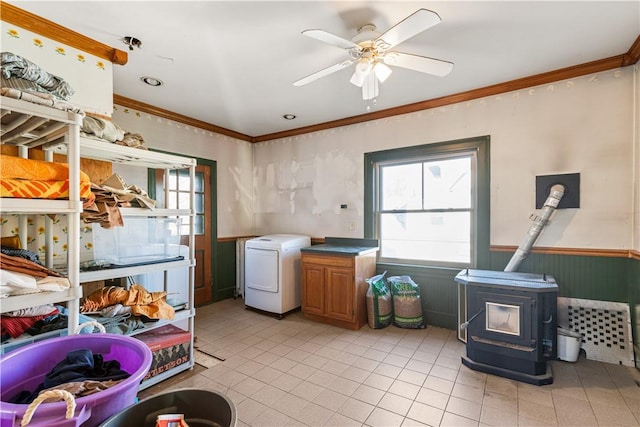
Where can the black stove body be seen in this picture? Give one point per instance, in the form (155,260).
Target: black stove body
(511,324)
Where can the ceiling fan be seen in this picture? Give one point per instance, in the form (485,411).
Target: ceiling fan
(371,53)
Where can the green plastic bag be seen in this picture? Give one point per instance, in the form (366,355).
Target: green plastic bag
(379,305)
(407,306)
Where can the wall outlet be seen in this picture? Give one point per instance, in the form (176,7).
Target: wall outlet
(351,226)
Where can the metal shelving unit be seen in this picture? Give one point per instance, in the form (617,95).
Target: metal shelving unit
(27,125)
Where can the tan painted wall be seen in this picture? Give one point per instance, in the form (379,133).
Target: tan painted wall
(581,125)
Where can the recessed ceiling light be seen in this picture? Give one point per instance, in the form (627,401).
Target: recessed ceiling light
(151,81)
(289,116)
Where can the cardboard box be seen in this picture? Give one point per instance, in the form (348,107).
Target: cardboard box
(170,345)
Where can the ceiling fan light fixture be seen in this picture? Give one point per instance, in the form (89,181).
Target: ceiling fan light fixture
(362,70)
(381,71)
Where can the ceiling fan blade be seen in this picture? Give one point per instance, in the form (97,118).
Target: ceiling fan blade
(412,25)
(331,39)
(322,73)
(419,63)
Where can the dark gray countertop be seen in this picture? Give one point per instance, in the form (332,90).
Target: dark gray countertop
(344,246)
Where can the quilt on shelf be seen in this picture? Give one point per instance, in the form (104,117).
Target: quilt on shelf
(36,179)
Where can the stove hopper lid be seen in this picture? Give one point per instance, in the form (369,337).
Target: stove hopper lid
(510,279)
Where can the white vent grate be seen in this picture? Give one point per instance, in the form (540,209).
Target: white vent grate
(605,328)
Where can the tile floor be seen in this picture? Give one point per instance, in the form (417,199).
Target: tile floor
(294,372)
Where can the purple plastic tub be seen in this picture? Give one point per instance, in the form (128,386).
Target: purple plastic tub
(25,369)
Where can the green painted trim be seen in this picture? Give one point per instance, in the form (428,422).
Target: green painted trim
(217,294)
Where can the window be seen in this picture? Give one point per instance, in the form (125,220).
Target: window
(425,203)
(179,194)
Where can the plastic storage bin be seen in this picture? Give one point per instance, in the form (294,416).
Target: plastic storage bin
(568,345)
(201,408)
(26,367)
(26,339)
(142,240)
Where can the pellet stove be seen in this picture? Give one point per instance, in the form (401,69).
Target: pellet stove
(510,324)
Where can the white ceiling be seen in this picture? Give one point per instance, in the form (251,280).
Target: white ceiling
(232,63)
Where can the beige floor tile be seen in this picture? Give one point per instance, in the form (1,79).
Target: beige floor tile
(388,370)
(343,386)
(284,364)
(248,410)
(366,364)
(471,378)
(467,392)
(454,420)
(338,420)
(613,415)
(286,382)
(432,398)
(404,389)
(536,411)
(314,415)
(501,385)
(383,418)
(302,371)
(531,422)
(322,378)
(379,381)
(267,374)
(268,395)
(394,403)
(270,418)
(408,422)
(443,372)
(355,374)
(335,367)
(419,366)
(504,402)
(248,386)
(497,417)
(425,414)
(290,405)
(540,395)
(412,377)
(573,412)
(330,399)
(438,384)
(368,394)
(464,408)
(307,391)
(356,409)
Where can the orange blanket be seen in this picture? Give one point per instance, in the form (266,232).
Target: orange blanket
(36,179)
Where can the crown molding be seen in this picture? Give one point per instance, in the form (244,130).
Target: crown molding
(45,28)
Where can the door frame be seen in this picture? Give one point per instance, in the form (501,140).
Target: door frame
(213,200)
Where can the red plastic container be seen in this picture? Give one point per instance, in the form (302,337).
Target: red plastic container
(26,368)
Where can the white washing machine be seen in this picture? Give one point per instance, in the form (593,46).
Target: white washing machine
(272,272)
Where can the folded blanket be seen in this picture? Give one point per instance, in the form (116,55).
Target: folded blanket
(16,66)
(42,99)
(18,167)
(102,129)
(36,179)
(22,265)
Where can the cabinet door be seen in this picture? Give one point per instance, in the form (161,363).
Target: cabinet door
(340,293)
(313,293)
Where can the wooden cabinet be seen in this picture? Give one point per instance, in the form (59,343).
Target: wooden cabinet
(334,287)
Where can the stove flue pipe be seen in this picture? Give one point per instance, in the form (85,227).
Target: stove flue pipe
(539,222)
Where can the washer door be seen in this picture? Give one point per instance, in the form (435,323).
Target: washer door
(262,269)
